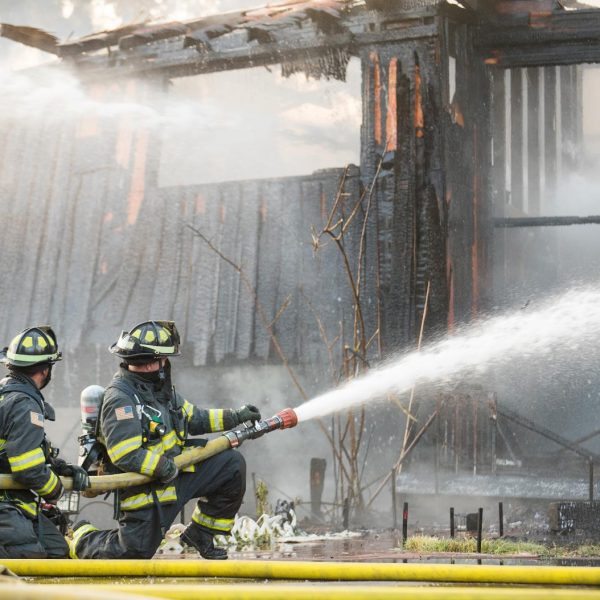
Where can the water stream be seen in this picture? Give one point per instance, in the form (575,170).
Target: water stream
(563,324)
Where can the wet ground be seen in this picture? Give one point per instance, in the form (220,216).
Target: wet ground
(377,547)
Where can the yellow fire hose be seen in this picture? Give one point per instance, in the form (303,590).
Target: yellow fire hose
(66,592)
(284,419)
(260,591)
(105,483)
(307,571)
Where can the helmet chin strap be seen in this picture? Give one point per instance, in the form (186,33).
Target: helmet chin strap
(164,373)
(47,378)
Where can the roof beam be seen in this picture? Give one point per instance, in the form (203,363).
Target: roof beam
(176,57)
(544,39)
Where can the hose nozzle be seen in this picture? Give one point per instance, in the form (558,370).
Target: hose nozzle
(282,420)
(288,417)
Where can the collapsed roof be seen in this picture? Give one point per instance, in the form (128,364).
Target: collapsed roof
(318,37)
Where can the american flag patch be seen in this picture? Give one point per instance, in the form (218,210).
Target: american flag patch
(124,412)
(37,419)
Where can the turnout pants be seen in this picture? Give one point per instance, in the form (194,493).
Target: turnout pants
(219,480)
(21,537)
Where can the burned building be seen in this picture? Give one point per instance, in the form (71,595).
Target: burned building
(469,112)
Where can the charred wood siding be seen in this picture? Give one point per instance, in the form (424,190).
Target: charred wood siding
(92,245)
(430,154)
(467,159)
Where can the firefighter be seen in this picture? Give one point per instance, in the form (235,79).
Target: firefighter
(25,452)
(144,425)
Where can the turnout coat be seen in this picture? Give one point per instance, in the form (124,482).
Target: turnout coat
(143,426)
(25,452)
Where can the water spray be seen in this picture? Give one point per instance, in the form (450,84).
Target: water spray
(560,326)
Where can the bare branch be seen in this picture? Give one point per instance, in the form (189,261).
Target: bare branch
(401,407)
(372,338)
(281,310)
(337,200)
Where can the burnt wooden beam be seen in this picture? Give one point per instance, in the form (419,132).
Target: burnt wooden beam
(545,221)
(537,39)
(30,36)
(171,58)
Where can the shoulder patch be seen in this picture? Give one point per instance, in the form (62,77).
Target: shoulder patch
(37,419)
(124,412)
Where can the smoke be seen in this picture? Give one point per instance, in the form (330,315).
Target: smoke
(262,125)
(56,97)
(205,133)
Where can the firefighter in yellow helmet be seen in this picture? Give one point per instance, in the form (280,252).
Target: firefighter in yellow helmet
(144,425)
(26,454)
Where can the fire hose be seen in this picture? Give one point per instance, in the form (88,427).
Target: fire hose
(291,592)
(285,570)
(284,419)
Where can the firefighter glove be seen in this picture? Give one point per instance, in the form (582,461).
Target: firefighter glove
(247,413)
(81,480)
(166,470)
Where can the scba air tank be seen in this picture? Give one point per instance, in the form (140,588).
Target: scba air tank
(90,401)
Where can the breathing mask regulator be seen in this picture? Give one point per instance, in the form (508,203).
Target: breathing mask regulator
(156,427)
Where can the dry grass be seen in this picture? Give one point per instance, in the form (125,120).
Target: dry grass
(431,544)
(586,550)
(469,545)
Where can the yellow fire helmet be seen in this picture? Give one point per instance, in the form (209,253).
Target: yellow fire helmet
(151,339)
(32,346)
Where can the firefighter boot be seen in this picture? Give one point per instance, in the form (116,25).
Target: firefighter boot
(203,542)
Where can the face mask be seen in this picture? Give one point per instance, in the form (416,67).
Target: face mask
(150,377)
(48,378)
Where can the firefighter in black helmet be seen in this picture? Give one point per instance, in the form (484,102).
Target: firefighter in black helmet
(26,454)
(144,425)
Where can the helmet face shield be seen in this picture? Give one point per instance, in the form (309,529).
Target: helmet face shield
(125,342)
(150,340)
